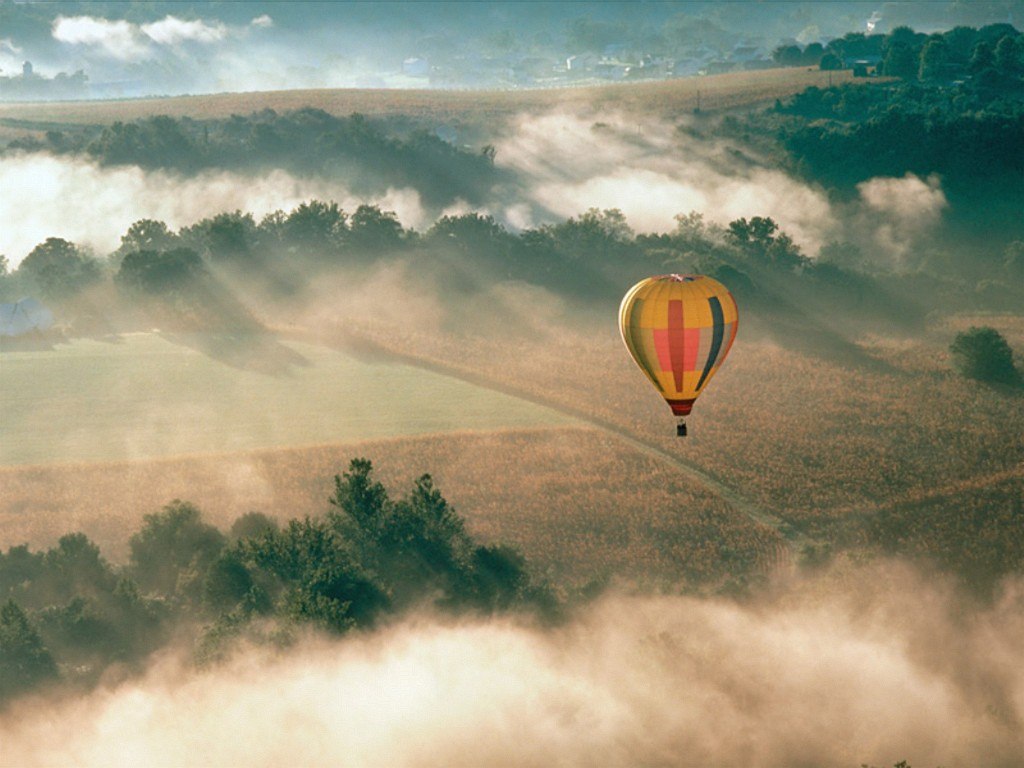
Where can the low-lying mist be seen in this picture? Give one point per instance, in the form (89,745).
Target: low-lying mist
(654,172)
(92,205)
(868,664)
(553,166)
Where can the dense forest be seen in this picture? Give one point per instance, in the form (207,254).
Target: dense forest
(952,107)
(68,616)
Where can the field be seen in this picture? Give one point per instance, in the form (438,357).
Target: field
(580,504)
(146,395)
(824,451)
(818,444)
(664,98)
(814,440)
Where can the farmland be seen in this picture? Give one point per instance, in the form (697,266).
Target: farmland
(145,395)
(667,98)
(816,440)
(575,501)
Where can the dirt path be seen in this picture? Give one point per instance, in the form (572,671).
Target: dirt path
(358,342)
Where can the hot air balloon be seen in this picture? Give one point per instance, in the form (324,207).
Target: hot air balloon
(678,329)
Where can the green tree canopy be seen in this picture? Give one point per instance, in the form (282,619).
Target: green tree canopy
(58,268)
(983,354)
(24,661)
(172,551)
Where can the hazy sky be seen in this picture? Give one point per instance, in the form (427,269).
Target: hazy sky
(136,48)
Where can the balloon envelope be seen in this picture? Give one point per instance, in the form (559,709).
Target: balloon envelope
(678,328)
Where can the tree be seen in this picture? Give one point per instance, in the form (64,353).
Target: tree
(24,661)
(147,235)
(227,582)
(58,268)
(1007,55)
(830,62)
(904,35)
(788,55)
(934,58)
(374,231)
(252,524)
(983,354)
(322,581)
(595,236)
(172,552)
(317,227)
(982,58)
(227,236)
(900,61)
(961,41)
(812,54)
(74,567)
(757,238)
(360,497)
(160,271)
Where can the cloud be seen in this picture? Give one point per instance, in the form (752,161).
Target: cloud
(172,31)
(118,39)
(92,205)
(126,41)
(262,22)
(10,56)
(873,666)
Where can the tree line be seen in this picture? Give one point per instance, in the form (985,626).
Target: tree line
(190,279)
(968,132)
(371,155)
(994,53)
(68,614)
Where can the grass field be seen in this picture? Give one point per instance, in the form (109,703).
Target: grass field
(145,395)
(807,438)
(576,501)
(666,98)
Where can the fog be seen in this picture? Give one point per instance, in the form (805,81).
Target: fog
(861,665)
(901,211)
(560,165)
(653,172)
(91,205)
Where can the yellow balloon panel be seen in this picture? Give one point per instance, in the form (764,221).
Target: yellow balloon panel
(679,328)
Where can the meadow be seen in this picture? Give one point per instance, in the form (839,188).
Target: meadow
(831,453)
(145,395)
(813,441)
(581,505)
(663,98)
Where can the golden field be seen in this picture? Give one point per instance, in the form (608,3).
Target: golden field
(664,98)
(579,503)
(807,439)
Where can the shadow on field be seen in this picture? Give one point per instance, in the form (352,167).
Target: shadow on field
(258,352)
(816,340)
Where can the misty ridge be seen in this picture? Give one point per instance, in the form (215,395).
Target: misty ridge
(387,634)
(570,205)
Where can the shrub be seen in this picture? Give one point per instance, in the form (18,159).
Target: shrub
(983,354)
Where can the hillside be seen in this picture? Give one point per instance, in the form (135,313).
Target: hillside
(664,98)
(146,395)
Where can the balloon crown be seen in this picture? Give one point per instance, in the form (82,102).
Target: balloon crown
(675,278)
